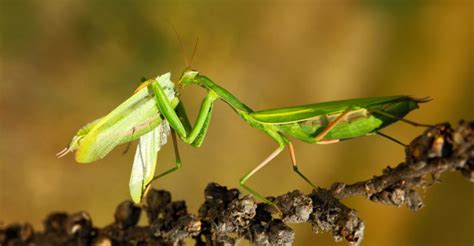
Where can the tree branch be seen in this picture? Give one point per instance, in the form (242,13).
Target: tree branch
(437,150)
(226,217)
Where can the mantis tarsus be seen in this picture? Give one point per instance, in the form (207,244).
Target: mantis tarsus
(148,112)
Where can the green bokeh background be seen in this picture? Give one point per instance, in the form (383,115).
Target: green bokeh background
(64,63)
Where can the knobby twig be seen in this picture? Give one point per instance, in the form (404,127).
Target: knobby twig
(226,217)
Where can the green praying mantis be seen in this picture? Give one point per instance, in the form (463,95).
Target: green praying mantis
(155,111)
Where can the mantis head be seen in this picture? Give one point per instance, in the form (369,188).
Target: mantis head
(188,77)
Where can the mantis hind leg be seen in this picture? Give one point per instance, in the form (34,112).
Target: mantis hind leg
(295,166)
(318,139)
(330,126)
(400,119)
(391,138)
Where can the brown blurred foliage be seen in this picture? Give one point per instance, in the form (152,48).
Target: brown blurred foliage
(64,63)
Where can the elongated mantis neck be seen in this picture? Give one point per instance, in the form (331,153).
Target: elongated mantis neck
(225,95)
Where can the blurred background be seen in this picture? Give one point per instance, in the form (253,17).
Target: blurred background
(65,63)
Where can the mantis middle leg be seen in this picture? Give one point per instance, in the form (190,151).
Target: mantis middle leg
(282,142)
(274,154)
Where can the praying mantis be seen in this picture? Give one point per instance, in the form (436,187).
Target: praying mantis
(155,111)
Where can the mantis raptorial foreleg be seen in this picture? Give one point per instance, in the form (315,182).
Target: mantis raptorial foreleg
(181,112)
(179,122)
(164,105)
(203,116)
(202,134)
(187,134)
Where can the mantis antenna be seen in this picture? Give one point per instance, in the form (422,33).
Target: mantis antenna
(188,62)
(181,44)
(194,51)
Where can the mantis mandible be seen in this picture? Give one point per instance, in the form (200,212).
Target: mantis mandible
(155,108)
